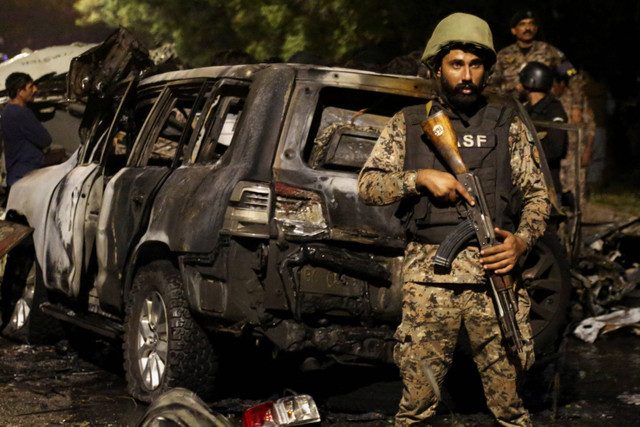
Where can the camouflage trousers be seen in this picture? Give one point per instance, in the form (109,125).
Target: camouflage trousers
(431,319)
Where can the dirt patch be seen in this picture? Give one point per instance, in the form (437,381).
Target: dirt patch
(600,214)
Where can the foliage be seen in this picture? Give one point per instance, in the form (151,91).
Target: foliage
(334,30)
(592,36)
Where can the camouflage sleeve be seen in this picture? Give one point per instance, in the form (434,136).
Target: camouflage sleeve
(383,179)
(555,55)
(576,91)
(504,77)
(527,175)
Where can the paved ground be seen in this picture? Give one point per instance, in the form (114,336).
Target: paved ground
(599,385)
(51,385)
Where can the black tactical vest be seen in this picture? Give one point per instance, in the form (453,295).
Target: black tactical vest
(483,145)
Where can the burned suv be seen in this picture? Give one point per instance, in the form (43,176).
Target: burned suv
(222,201)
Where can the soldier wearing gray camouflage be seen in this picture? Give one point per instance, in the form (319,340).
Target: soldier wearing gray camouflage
(436,304)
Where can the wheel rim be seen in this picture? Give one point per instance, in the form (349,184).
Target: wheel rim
(22,309)
(543,280)
(153,334)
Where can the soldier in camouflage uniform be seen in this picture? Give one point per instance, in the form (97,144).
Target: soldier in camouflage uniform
(512,59)
(576,104)
(436,304)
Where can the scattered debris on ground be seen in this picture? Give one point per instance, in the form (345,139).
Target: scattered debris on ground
(630,398)
(592,327)
(606,276)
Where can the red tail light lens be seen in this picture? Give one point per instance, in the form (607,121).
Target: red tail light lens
(288,411)
(259,416)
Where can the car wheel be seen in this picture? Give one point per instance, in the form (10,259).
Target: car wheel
(547,278)
(22,294)
(18,291)
(164,346)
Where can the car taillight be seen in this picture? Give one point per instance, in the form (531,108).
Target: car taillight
(288,411)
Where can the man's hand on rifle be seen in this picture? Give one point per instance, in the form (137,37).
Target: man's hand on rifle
(442,185)
(503,257)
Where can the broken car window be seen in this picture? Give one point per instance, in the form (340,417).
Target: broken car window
(166,145)
(346,126)
(125,131)
(221,122)
(177,121)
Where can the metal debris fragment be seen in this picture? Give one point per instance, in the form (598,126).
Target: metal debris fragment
(607,269)
(592,327)
(630,398)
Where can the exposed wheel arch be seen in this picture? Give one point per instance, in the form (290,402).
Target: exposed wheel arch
(143,255)
(22,293)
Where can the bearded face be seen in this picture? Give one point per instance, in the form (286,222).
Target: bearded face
(461,77)
(463,95)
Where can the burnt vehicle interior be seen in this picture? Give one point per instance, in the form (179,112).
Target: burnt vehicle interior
(347,124)
(339,127)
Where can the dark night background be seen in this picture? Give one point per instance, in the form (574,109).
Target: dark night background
(595,35)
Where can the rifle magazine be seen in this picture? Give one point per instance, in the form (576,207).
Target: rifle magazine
(453,243)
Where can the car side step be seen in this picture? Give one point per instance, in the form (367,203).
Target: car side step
(93,322)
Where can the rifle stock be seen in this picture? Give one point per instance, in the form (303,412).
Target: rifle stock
(438,127)
(444,140)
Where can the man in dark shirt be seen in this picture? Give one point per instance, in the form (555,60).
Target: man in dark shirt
(537,80)
(25,139)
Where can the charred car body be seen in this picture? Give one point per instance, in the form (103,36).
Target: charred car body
(222,201)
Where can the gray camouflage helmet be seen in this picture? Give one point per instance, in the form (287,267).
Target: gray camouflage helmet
(460,28)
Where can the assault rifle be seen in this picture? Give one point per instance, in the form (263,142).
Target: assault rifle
(477,224)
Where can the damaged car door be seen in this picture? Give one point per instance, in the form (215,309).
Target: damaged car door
(129,194)
(75,204)
(64,213)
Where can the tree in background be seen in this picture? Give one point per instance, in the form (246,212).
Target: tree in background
(594,35)
(335,30)
(340,32)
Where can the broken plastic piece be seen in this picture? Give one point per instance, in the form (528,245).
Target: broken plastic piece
(590,328)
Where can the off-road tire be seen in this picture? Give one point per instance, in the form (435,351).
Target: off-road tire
(189,360)
(547,278)
(22,293)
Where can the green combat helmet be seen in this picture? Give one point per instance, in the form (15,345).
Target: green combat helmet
(460,28)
